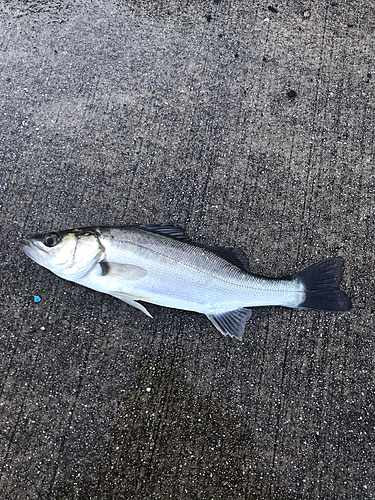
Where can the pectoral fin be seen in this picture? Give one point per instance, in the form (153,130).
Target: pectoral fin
(131,300)
(231,322)
(126,271)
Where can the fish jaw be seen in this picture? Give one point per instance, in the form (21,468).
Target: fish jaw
(35,252)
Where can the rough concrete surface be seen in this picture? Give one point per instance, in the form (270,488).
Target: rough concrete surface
(248,123)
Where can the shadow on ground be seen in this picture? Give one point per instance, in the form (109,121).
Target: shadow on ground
(171,443)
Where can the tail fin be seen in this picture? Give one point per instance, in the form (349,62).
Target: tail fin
(321,282)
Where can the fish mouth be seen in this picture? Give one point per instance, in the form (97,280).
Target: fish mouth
(31,250)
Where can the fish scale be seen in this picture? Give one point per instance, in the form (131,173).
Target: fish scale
(211,284)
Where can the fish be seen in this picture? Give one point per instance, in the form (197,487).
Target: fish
(160,264)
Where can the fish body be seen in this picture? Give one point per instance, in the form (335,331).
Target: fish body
(160,265)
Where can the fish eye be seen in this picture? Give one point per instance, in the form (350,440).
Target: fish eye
(50,240)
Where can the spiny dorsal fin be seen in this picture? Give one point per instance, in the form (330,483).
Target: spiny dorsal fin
(176,232)
(231,322)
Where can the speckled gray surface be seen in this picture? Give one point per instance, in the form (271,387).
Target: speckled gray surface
(250,124)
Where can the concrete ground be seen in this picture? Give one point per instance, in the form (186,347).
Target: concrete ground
(249,123)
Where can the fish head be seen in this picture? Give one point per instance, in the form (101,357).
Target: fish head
(69,254)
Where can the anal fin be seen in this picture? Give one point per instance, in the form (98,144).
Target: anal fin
(231,322)
(131,300)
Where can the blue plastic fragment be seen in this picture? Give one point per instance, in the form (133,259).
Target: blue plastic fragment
(37,299)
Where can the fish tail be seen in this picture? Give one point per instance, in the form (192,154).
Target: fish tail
(321,282)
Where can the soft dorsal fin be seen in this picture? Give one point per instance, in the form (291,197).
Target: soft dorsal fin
(176,232)
(235,256)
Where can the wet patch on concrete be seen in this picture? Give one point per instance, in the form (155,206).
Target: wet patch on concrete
(170,442)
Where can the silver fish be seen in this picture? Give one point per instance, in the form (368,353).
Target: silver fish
(160,265)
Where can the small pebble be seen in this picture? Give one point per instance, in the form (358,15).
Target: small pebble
(37,299)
